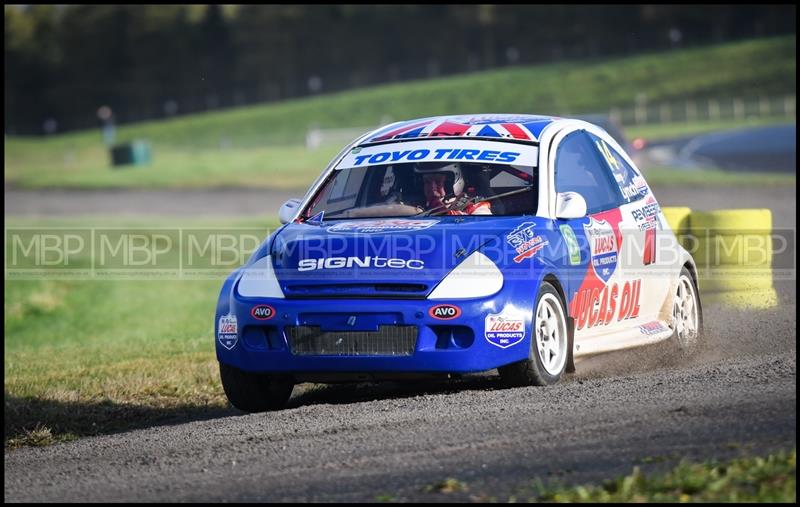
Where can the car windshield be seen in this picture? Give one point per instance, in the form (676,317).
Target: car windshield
(427,188)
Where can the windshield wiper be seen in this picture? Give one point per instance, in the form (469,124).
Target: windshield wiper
(460,205)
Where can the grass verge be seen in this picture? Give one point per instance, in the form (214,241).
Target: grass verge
(748,479)
(262,145)
(666,131)
(87,356)
(671,176)
(771,478)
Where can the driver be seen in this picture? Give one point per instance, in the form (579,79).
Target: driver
(443,186)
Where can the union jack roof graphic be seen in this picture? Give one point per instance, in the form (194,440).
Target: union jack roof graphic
(508,126)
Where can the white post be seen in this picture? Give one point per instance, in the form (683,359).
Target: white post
(640,111)
(615,115)
(788,105)
(763,106)
(691,111)
(664,113)
(738,109)
(313,139)
(713,109)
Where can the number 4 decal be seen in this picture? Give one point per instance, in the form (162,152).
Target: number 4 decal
(611,159)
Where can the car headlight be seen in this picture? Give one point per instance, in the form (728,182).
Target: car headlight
(476,277)
(259,280)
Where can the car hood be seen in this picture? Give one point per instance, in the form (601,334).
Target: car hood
(378,257)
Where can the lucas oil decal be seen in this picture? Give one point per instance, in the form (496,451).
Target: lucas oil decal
(503,329)
(603,305)
(228,331)
(603,245)
(525,242)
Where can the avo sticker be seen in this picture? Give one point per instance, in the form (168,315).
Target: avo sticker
(262,312)
(444,312)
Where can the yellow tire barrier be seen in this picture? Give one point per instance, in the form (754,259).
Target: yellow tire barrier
(677,218)
(740,237)
(748,300)
(734,278)
(733,252)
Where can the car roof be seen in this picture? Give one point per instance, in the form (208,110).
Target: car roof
(606,123)
(518,127)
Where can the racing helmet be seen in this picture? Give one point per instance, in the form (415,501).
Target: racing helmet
(454,180)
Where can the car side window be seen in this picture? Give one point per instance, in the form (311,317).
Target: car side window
(580,168)
(631,184)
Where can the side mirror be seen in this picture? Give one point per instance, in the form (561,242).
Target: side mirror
(288,210)
(570,205)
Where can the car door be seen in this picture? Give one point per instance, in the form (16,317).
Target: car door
(641,227)
(602,298)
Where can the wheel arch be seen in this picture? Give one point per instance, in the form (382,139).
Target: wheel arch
(552,279)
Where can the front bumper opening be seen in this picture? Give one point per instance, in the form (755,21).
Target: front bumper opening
(387,341)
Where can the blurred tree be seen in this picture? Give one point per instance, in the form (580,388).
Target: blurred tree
(146,61)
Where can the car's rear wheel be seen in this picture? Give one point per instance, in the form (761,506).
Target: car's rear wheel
(687,316)
(253,392)
(549,350)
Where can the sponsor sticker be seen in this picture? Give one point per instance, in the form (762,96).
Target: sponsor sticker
(598,306)
(463,150)
(646,217)
(630,183)
(381,226)
(572,244)
(504,329)
(603,245)
(262,312)
(228,331)
(654,327)
(444,312)
(358,262)
(525,242)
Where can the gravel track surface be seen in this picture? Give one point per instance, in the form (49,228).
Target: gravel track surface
(734,395)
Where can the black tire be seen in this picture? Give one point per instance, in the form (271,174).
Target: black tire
(253,392)
(532,371)
(687,342)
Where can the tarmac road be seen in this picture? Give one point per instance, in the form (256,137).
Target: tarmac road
(649,407)
(772,148)
(261,202)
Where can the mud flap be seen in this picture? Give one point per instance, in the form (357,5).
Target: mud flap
(570,345)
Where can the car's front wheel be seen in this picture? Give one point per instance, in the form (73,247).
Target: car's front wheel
(253,392)
(549,351)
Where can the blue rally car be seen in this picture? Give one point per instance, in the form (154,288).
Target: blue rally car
(449,245)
